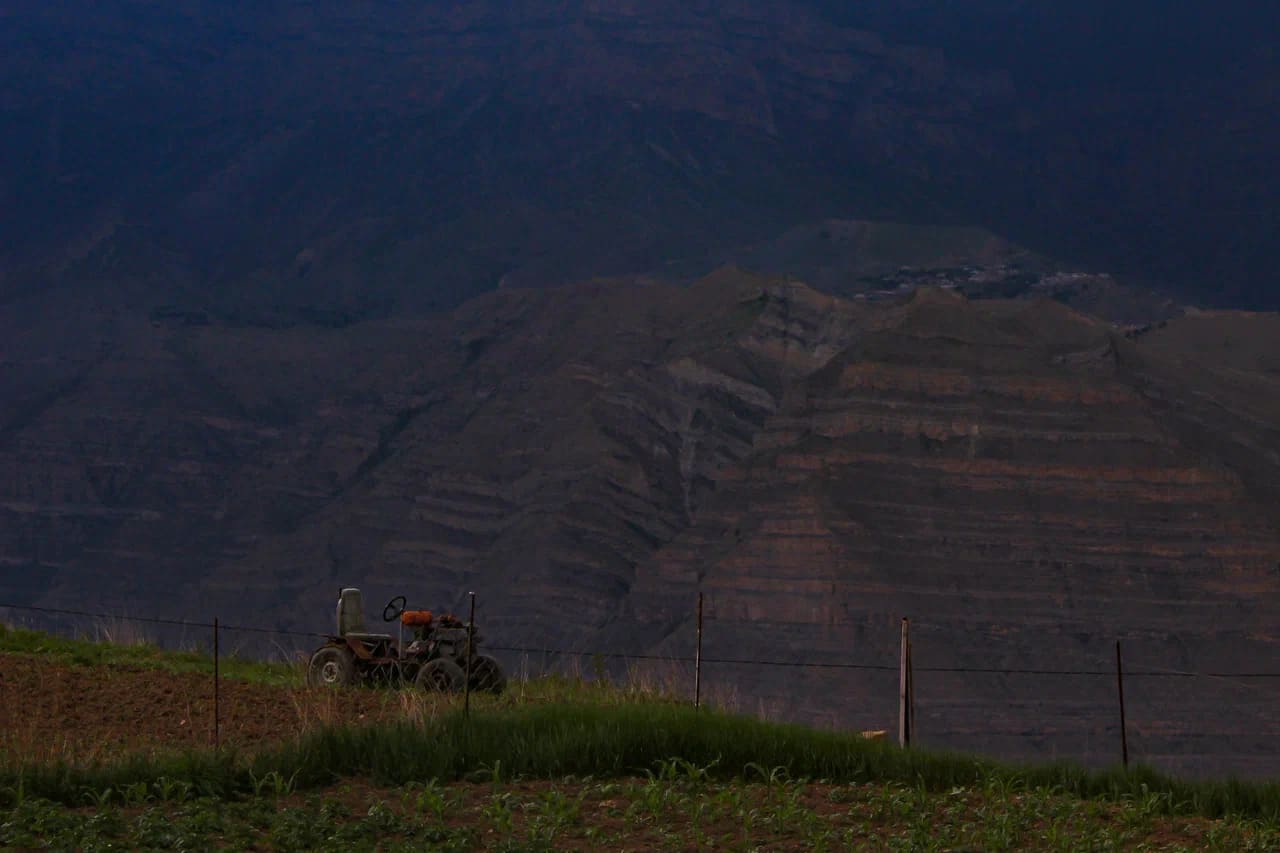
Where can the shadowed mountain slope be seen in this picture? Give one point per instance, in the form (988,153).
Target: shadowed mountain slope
(1027,482)
(305,160)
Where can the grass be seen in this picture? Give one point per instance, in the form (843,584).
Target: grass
(143,655)
(616,741)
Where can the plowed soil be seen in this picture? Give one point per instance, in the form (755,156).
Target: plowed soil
(51,710)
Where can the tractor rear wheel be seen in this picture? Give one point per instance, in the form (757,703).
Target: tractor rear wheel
(440,676)
(331,666)
(486,674)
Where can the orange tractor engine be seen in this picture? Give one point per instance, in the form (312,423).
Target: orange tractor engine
(419,620)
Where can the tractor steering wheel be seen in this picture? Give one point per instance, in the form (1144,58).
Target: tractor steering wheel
(393,609)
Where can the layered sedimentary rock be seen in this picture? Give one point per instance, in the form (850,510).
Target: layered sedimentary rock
(1027,483)
(587,430)
(1002,474)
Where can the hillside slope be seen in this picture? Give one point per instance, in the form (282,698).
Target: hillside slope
(1026,482)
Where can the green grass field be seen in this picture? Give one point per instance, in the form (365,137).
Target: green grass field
(675,806)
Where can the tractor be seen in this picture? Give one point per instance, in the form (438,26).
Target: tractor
(435,660)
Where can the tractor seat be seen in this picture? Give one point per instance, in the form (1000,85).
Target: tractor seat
(351,618)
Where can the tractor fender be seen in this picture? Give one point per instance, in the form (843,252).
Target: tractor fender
(358,648)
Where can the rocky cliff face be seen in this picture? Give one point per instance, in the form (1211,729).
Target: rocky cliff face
(1025,482)
(1009,477)
(586,430)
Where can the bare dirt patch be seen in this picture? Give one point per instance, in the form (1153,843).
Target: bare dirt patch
(56,710)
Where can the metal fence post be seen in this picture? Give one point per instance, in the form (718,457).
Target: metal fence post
(471,643)
(217,710)
(904,686)
(697,662)
(1124,734)
(911,695)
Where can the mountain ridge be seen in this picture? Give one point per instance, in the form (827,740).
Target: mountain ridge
(270,157)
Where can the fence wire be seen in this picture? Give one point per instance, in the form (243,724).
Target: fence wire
(705,659)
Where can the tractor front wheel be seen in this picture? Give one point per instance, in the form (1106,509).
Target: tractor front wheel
(331,666)
(486,674)
(440,676)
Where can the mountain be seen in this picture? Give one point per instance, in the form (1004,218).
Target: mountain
(316,161)
(831,313)
(1027,482)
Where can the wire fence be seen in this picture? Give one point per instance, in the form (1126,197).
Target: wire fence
(153,620)
(668,658)
(1248,690)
